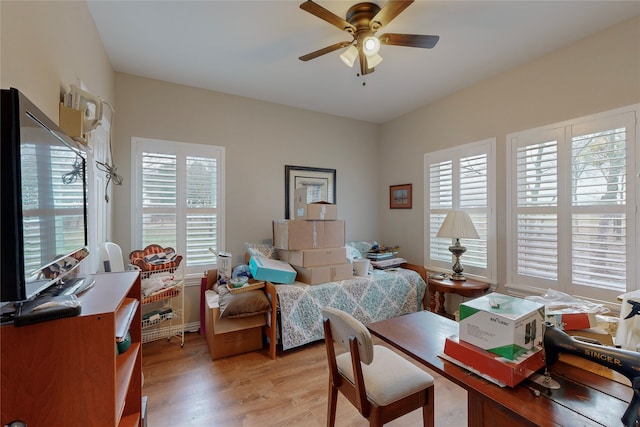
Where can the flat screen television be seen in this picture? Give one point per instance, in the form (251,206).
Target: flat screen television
(43,196)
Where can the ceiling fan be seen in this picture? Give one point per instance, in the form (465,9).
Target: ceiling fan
(363,20)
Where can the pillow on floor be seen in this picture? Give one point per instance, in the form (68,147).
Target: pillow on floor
(242,304)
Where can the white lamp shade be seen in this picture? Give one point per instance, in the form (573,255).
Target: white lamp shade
(458,225)
(349,56)
(373,60)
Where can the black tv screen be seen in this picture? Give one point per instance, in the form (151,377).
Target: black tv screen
(43,223)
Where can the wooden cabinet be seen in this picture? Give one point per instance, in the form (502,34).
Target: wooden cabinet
(68,371)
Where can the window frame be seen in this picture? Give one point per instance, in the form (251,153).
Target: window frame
(181,150)
(455,154)
(565,131)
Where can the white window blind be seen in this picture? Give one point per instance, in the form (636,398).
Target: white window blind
(178,198)
(573,217)
(462,178)
(537,198)
(201,208)
(63,177)
(599,223)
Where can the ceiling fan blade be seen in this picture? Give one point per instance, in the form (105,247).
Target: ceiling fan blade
(389,11)
(411,40)
(325,50)
(330,17)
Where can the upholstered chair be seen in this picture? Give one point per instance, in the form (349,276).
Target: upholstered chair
(381,384)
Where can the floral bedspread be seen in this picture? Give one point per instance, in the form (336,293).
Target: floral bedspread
(369,299)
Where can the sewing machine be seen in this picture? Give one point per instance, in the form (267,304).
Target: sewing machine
(625,362)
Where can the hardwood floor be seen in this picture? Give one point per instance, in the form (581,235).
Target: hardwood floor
(186,388)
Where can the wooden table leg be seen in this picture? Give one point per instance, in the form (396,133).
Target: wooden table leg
(432,299)
(441,309)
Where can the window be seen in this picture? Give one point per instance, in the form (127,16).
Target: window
(572,212)
(462,178)
(52,201)
(177,199)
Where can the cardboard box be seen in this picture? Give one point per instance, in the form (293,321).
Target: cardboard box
(71,122)
(314,257)
(228,337)
(570,318)
(502,324)
(271,270)
(331,273)
(494,367)
(598,334)
(300,234)
(323,211)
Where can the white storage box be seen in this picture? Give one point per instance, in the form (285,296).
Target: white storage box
(502,324)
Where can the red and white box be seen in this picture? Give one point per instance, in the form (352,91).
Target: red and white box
(570,317)
(495,368)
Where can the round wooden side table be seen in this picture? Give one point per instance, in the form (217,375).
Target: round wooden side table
(466,288)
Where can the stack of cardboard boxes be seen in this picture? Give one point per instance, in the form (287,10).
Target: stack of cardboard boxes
(313,243)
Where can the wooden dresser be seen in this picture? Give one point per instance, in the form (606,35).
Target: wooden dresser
(68,371)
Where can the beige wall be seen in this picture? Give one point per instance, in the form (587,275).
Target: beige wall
(260,138)
(599,73)
(46,46)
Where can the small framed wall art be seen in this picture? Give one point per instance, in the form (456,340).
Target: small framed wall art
(400,196)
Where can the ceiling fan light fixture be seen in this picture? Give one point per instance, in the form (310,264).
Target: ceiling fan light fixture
(349,56)
(371,46)
(373,60)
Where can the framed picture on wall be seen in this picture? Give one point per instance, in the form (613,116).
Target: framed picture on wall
(320,184)
(400,196)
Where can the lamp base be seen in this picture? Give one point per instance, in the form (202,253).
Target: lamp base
(458,277)
(457,250)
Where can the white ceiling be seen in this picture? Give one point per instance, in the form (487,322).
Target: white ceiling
(251,48)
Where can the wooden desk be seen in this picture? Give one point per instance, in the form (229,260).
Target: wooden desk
(466,288)
(585,399)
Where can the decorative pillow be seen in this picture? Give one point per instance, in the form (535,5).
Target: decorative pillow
(160,258)
(261,249)
(242,304)
(362,247)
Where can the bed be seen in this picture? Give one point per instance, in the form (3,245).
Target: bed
(381,295)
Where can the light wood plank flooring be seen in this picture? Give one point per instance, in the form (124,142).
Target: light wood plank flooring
(186,388)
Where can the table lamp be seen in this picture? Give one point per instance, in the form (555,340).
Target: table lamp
(458,225)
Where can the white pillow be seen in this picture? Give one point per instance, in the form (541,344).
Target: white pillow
(361,247)
(261,249)
(352,253)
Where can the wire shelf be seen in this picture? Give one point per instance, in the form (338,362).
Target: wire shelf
(167,291)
